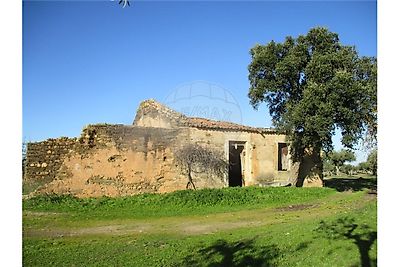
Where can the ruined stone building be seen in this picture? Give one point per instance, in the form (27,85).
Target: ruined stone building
(118,160)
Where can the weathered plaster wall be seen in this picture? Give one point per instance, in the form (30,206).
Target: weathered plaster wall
(264,160)
(260,154)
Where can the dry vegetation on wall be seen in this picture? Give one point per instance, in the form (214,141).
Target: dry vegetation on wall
(193,158)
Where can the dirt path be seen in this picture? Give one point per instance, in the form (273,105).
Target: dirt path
(208,224)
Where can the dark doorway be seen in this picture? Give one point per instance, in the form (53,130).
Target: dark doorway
(283,155)
(235,163)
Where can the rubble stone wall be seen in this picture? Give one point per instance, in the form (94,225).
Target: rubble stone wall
(119,160)
(44,159)
(115,160)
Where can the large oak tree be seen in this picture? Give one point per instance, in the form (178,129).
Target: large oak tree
(312,86)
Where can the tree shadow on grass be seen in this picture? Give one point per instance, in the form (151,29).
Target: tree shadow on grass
(346,228)
(235,254)
(356,184)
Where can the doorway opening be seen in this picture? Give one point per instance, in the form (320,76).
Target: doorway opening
(236,163)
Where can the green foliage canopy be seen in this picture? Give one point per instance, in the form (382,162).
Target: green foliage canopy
(327,164)
(372,161)
(312,85)
(347,169)
(363,167)
(338,158)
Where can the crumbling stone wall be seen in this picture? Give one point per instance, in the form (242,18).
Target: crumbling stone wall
(117,160)
(152,114)
(44,159)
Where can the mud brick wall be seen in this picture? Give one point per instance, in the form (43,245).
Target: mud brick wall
(125,137)
(120,160)
(117,160)
(44,159)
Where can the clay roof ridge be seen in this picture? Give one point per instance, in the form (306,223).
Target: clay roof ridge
(224,125)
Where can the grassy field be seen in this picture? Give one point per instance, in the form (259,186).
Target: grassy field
(331,226)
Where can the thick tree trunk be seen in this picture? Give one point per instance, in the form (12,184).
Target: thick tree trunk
(310,170)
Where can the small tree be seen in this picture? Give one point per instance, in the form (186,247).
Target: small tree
(347,169)
(372,161)
(363,167)
(328,166)
(338,158)
(193,158)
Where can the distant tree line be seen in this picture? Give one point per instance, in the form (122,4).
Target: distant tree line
(336,163)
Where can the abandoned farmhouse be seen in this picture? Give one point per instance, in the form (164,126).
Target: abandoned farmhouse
(118,160)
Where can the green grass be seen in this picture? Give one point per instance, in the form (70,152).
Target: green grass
(267,227)
(31,186)
(184,202)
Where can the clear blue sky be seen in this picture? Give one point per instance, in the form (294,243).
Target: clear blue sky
(93,61)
